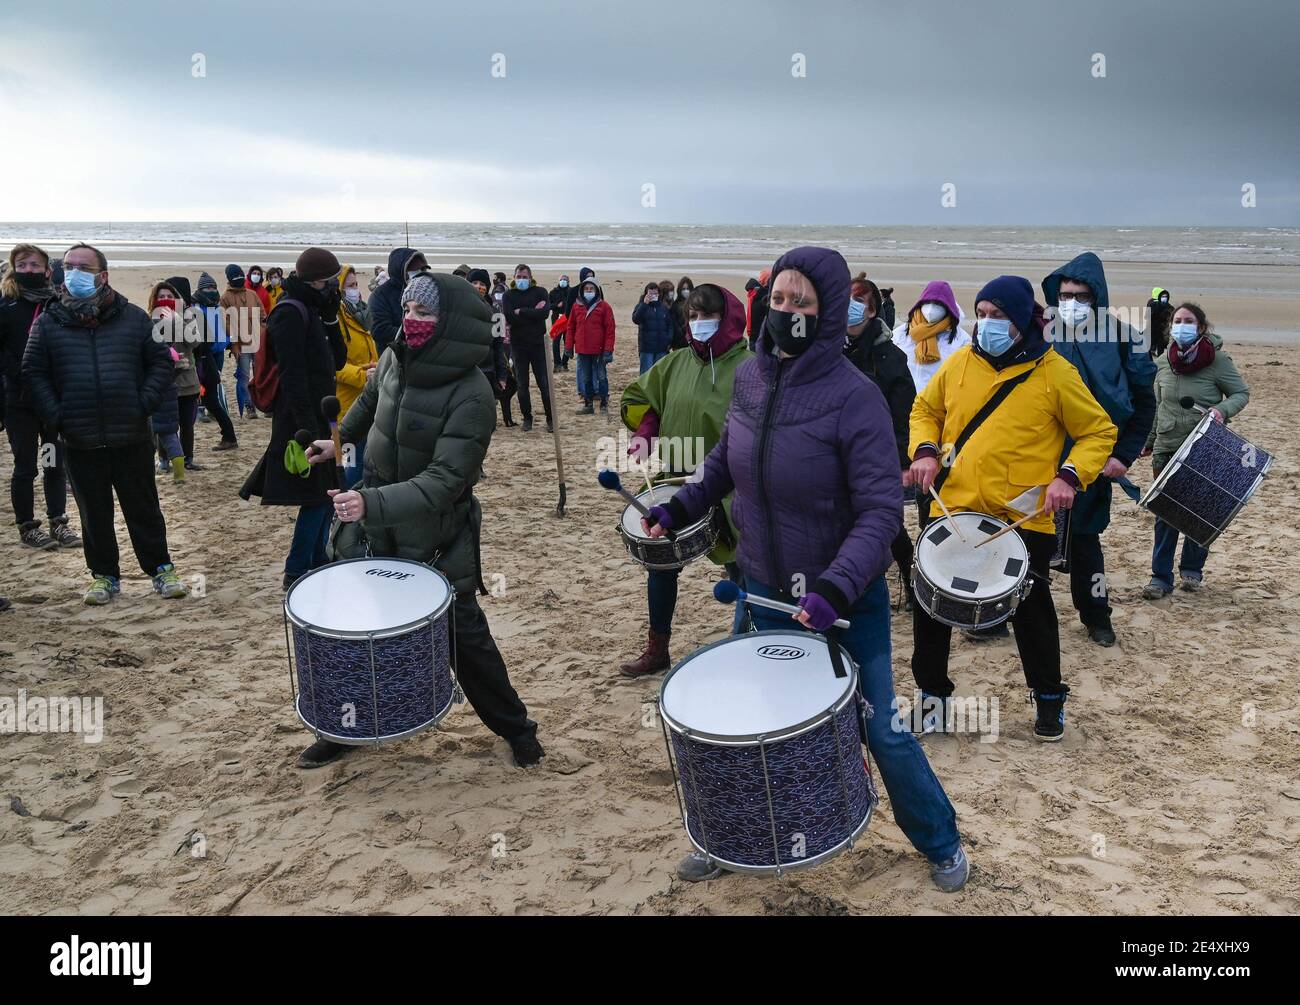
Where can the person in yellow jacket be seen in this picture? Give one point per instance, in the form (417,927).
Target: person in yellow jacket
(275,284)
(1009,467)
(354,325)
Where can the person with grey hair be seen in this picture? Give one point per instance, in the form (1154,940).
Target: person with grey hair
(427,416)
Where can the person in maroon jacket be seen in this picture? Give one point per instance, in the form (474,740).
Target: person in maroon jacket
(591,335)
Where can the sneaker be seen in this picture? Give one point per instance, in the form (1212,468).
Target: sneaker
(1155,590)
(101,591)
(527,425)
(1103,635)
(1050,723)
(586,409)
(321,753)
(32,536)
(527,750)
(1189,582)
(191,466)
(227,445)
(951,874)
(168,585)
(698,867)
(64,534)
(604,407)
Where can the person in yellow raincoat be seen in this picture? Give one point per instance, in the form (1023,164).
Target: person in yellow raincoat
(1009,468)
(354,325)
(275,284)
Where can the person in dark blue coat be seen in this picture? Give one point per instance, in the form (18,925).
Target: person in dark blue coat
(654,326)
(386,301)
(1112,358)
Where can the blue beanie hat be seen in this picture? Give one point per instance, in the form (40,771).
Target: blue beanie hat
(1014,296)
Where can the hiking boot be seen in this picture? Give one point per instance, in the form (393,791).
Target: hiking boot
(191,466)
(653,660)
(63,532)
(102,590)
(950,875)
(1156,590)
(698,867)
(227,445)
(167,584)
(527,750)
(321,753)
(178,470)
(1190,582)
(1049,726)
(586,409)
(32,536)
(1103,635)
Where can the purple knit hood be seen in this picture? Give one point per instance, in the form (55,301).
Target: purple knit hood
(937,292)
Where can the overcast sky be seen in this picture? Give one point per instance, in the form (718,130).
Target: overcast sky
(390,111)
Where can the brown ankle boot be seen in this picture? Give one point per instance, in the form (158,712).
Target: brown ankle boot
(653,660)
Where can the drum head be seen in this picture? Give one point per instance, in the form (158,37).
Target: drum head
(963,570)
(758,683)
(367,595)
(632,517)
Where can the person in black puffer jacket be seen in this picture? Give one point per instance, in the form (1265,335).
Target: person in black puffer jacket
(385,301)
(496,368)
(308,347)
(869,346)
(95,372)
(526,307)
(25,291)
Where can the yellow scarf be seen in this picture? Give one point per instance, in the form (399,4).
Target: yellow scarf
(926,335)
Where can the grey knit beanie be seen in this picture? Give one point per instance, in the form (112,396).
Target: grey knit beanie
(424,291)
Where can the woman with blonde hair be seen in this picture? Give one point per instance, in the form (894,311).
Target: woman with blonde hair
(354,326)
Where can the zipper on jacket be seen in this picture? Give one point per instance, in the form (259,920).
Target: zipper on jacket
(99,390)
(764,438)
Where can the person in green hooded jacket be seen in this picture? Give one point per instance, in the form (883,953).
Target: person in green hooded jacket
(682,403)
(1195,366)
(426,415)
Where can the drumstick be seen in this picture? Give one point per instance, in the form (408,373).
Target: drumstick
(610,480)
(645,470)
(1010,527)
(727,592)
(330,407)
(960,536)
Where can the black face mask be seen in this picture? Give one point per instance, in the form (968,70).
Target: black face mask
(31,280)
(237,284)
(791,333)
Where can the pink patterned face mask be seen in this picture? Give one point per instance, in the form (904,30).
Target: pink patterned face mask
(418,330)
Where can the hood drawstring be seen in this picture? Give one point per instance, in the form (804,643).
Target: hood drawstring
(713,371)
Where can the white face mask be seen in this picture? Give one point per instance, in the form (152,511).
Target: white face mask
(933,312)
(705,329)
(1072,312)
(255,277)
(353,295)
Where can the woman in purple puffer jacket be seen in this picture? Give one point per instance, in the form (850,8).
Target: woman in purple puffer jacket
(809,452)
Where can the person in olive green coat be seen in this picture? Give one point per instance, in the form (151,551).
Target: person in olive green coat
(427,414)
(681,402)
(1194,366)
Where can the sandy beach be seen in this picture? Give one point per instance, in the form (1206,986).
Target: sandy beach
(1175,791)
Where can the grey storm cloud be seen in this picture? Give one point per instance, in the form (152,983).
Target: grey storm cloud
(698,99)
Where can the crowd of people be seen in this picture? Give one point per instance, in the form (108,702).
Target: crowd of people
(819,417)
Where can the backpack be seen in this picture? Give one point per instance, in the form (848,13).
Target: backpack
(265,385)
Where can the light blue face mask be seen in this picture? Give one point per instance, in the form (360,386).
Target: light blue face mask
(564,284)
(857,312)
(1185,332)
(994,335)
(522,283)
(80,283)
(704,329)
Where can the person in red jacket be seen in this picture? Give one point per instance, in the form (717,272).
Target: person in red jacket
(591,335)
(255,284)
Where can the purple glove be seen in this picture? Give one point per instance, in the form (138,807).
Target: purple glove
(659,515)
(821,615)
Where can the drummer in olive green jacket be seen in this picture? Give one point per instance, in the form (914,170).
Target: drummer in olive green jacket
(427,414)
(1195,366)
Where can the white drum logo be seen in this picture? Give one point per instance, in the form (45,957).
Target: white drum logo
(782,652)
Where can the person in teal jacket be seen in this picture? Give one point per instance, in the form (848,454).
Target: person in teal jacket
(1111,358)
(682,402)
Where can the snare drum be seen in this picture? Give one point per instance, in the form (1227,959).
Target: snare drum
(692,542)
(370,649)
(1207,481)
(964,586)
(765,746)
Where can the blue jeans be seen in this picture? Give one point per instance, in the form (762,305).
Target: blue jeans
(593,382)
(649,359)
(352,472)
(311,532)
(921,809)
(1162,558)
(661,594)
(243,374)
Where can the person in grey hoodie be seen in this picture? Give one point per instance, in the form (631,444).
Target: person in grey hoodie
(810,454)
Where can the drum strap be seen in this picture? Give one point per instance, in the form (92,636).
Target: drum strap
(833,644)
(977,420)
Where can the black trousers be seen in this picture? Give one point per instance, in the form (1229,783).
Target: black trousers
(27,434)
(128,471)
(557,352)
(210,376)
(1034,623)
(1088,580)
(901,549)
(482,673)
(534,356)
(188,407)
